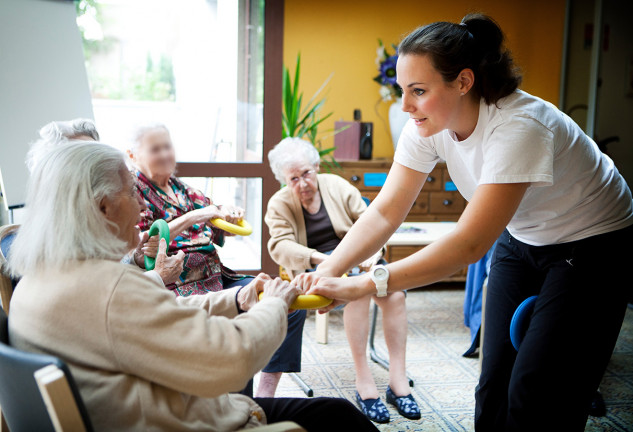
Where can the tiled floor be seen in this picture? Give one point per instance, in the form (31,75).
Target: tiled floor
(444,380)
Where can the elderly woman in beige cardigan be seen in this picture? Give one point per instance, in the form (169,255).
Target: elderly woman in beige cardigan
(307,219)
(143,358)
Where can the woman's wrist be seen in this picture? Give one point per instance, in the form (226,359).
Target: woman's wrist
(367,286)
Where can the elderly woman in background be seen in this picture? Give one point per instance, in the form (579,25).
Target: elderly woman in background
(187,212)
(307,219)
(143,358)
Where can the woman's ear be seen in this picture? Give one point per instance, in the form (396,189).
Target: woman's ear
(105,206)
(317,168)
(465,80)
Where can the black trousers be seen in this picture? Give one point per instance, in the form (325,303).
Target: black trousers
(316,414)
(582,289)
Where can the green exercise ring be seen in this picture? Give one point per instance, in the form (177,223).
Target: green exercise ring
(161,228)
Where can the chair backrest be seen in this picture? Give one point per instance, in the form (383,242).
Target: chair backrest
(22,403)
(7,234)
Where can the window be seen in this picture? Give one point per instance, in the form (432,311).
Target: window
(198,67)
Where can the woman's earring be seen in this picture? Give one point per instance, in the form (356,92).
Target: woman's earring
(461,94)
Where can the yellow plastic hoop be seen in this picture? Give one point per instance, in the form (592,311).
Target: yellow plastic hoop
(242,227)
(307,301)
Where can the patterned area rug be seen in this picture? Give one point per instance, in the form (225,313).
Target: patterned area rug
(444,380)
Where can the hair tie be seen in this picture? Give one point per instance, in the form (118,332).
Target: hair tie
(470,35)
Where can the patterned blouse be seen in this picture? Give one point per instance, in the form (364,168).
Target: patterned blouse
(202,271)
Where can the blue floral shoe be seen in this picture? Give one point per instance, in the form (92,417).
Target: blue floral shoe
(373,409)
(406,405)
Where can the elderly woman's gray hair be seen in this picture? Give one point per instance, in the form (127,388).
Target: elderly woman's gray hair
(59,132)
(291,151)
(63,221)
(140,131)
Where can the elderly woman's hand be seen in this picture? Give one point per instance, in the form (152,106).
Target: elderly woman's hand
(229,213)
(168,268)
(248,296)
(232,214)
(281,289)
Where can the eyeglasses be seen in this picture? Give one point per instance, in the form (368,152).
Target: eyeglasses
(307,175)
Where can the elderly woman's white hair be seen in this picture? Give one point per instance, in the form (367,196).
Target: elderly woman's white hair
(291,151)
(63,221)
(59,132)
(143,129)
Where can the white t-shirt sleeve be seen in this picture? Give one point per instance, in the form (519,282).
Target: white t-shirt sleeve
(415,152)
(519,151)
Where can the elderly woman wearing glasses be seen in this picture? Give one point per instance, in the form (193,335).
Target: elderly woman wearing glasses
(143,358)
(307,220)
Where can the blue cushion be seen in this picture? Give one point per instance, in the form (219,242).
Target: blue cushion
(521,321)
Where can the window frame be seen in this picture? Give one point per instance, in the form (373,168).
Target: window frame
(273,66)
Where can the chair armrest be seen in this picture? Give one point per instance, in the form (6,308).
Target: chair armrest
(59,400)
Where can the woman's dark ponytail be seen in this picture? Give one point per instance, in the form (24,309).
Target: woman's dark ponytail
(477,44)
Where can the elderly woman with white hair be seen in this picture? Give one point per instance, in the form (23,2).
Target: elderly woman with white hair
(143,358)
(187,212)
(56,133)
(307,219)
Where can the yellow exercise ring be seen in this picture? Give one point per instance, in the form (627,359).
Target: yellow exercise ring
(242,227)
(307,301)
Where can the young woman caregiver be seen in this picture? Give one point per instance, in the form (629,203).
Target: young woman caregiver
(535,181)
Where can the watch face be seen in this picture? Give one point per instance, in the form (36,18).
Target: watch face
(380,274)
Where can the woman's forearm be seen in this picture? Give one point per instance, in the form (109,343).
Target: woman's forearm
(181,223)
(367,235)
(378,222)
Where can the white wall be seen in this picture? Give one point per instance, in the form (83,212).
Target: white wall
(42,78)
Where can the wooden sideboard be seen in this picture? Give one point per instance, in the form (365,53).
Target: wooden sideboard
(438,200)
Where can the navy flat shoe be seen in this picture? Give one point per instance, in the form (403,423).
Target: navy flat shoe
(373,409)
(406,405)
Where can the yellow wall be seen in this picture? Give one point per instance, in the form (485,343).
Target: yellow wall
(340,36)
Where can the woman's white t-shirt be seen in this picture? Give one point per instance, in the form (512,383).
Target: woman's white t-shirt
(576,191)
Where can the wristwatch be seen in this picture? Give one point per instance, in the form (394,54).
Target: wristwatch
(380,275)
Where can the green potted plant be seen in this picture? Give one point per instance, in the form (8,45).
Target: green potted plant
(303,121)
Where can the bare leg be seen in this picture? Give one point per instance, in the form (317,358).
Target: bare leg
(394,324)
(356,319)
(268,382)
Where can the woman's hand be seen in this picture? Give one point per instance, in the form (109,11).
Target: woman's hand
(281,289)
(150,247)
(139,256)
(205,214)
(342,290)
(369,263)
(317,258)
(168,268)
(231,214)
(248,296)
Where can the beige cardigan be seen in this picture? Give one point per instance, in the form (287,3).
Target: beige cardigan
(142,358)
(284,217)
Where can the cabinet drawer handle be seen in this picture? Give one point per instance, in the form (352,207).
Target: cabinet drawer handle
(355,178)
(430,179)
(447,202)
